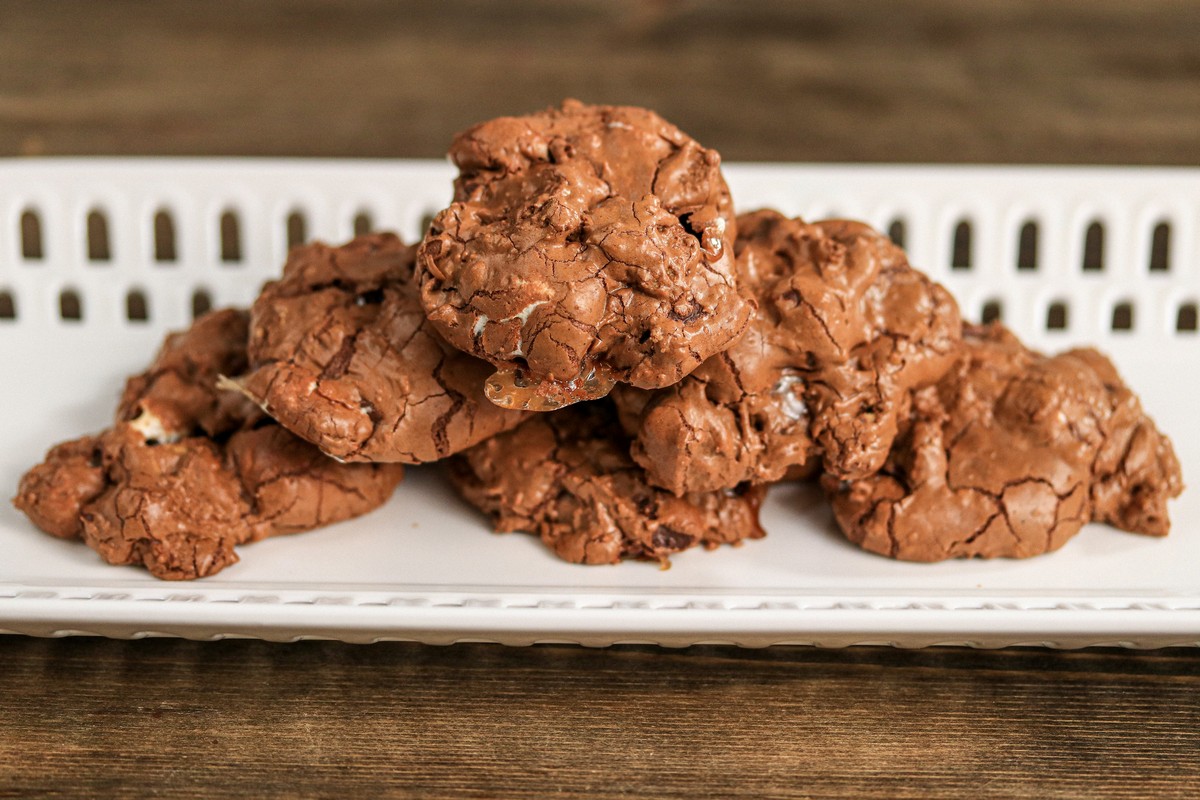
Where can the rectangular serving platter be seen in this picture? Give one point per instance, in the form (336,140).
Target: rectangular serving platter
(426,567)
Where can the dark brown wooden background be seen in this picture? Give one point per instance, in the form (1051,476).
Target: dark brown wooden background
(1103,82)
(1106,81)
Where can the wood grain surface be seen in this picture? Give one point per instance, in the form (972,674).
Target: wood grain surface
(1103,82)
(1108,81)
(91,718)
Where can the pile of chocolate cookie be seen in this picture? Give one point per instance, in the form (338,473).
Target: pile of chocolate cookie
(603,354)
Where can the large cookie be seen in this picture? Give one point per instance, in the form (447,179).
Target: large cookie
(342,355)
(1010,454)
(567,477)
(845,329)
(187,472)
(585,245)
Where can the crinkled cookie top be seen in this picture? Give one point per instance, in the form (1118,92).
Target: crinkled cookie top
(845,328)
(1010,454)
(567,478)
(341,354)
(586,245)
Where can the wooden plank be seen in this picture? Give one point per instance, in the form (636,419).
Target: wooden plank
(326,719)
(1105,81)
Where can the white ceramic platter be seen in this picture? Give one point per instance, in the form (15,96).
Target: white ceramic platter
(426,568)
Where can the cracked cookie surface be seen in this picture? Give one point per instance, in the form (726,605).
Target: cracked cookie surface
(845,328)
(567,478)
(1009,455)
(342,355)
(586,245)
(187,472)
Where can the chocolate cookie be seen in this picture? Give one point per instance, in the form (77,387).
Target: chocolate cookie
(1010,454)
(187,472)
(342,355)
(567,477)
(845,329)
(586,245)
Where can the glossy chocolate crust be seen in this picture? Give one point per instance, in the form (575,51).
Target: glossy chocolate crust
(567,477)
(342,356)
(585,245)
(188,472)
(1010,454)
(845,329)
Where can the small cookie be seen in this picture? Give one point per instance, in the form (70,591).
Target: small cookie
(187,472)
(342,355)
(586,245)
(567,477)
(845,329)
(1009,455)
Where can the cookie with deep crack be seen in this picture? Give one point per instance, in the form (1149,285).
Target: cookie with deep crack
(187,472)
(845,329)
(586,245)
(567,478)
(341,354)
(1009,455)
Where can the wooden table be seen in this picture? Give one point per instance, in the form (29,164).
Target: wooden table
(1106,82)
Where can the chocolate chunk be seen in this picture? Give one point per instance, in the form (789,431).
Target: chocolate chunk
(1010,454)
(567,477)
(845,329)
(187,472)
(586,245)
(343,356)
